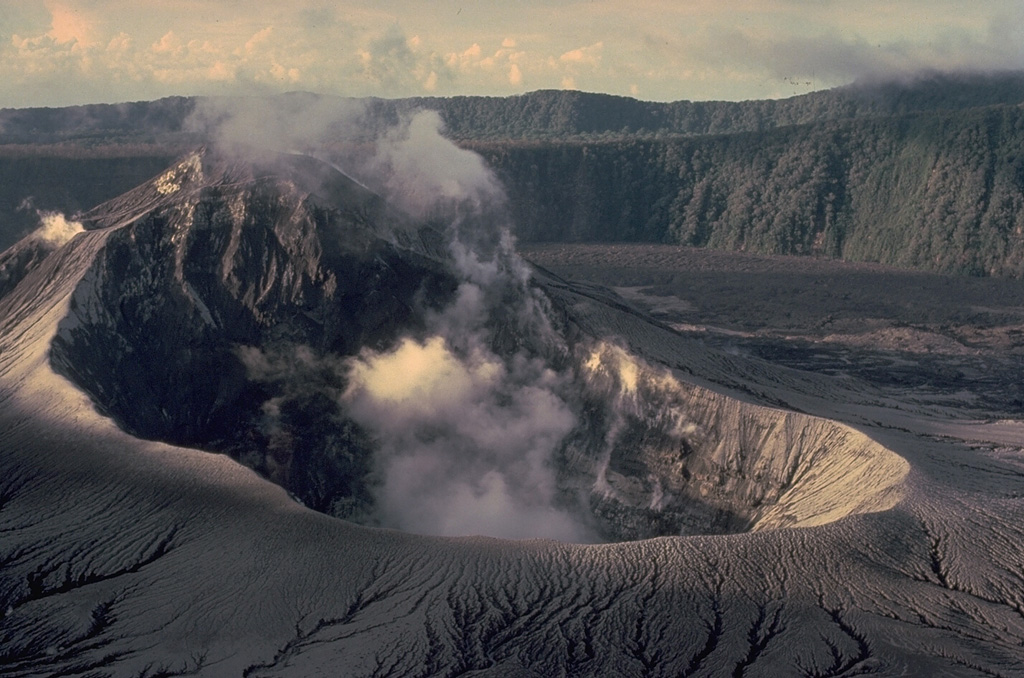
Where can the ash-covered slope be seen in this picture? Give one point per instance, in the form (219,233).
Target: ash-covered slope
(126,557)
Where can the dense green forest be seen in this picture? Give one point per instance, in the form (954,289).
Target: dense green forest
(927,174)
(541,115)
(935,192)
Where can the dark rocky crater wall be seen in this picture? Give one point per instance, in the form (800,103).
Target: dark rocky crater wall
(243,260)
(232,301)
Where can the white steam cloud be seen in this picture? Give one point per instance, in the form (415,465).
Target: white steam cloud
(56,229)
(408,161)
(468,439)
(422,171)
(467,434)
(300,122)
(466,443)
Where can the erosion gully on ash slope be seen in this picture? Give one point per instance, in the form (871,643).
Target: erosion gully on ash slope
(219,309)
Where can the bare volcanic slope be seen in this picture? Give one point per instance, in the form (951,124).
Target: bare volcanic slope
(404,370)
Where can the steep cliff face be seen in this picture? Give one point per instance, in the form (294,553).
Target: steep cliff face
(279,312)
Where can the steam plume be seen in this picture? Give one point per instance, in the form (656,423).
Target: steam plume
(467,431)
(56,229)
(466,443)
(423,172)
(468,438)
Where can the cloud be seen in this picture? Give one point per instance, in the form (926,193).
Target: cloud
(76,51)
(423,172)
(71,24)
(394,64)
(468,437)
(584,56)
(952,51)
(319,17)
(833,56)
(411,163)
(421,379)
(255,125)
(55,229)
(475,63)
(259,40)
(77,59)
(388,60)
(466,444)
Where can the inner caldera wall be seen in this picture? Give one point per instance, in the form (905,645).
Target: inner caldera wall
(676,458)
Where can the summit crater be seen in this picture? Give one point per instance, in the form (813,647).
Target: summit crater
(231,303)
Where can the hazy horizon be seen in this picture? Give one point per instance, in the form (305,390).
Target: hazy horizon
(68,52)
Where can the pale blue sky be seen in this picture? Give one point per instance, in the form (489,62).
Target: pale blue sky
(59,52)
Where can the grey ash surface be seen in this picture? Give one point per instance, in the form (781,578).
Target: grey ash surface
(944,338)
(886,539)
